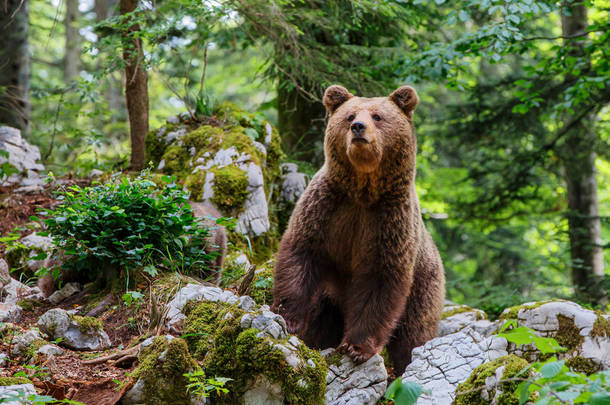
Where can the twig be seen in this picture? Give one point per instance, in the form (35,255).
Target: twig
(132,351)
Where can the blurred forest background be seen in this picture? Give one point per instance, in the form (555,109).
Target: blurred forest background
(513,126)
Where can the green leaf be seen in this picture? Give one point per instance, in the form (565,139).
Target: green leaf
(408,393)
(395,386)
(463,16)
(519,336)
(550,370)
(600,398)
(523,392)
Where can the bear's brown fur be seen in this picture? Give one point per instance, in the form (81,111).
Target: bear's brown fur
(356,266)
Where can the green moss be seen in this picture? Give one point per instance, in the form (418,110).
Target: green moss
(162,367)
(87,324)
(239,354)
(6,381)
(261,290)
(176,158)
(601,326)
(262,247)
(568,335)
(200,325)
(513,312)
(513,366)
(194,183)
(461,309)
(28,304)
(30,352)
(155,145)
(230,188)
(583,365)
(334,359)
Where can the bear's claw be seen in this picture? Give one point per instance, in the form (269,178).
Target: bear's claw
(356,352)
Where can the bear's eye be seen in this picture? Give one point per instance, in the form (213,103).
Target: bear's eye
(351,117)
(376,117)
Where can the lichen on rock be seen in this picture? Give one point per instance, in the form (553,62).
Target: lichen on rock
(160,378)
(229,160)
(484,385)
(243,346)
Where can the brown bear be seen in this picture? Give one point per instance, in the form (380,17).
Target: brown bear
(356,267)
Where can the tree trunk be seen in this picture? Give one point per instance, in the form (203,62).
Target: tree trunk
(136,89)
(72,55)
(14,65)
(578,159)
(301,123)
(113,91)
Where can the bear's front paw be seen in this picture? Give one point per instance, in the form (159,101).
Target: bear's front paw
(359,353)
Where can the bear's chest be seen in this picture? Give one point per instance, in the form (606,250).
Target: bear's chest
(350,237)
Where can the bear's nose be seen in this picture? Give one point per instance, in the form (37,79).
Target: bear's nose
(358,128)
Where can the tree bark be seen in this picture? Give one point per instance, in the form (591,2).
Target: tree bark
(14,65)
(113,92)
(301,123)
(72,56)
(136,88)
(578,160)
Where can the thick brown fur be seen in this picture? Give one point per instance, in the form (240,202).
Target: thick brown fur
(217,240)
(356,266)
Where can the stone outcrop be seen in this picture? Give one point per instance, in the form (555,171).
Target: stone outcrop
(351,384)
(76,332)
(467,347)
(22,159)
(230,161)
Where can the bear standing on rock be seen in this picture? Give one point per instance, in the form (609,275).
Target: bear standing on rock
(356,266)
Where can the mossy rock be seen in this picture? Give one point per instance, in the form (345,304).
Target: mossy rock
(6,381)
(189,154)
(460,309)
(261,289)
(161,367)
(225,349)
(513,366)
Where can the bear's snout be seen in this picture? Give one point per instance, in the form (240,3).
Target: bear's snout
(358,128)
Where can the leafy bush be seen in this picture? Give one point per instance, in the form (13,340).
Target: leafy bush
(129,224)
(553,381)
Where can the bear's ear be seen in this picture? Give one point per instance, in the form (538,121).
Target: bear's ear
(406,98)
(334,96)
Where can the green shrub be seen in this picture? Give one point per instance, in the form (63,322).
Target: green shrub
(129,224)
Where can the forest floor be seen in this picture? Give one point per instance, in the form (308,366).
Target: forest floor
(73,375)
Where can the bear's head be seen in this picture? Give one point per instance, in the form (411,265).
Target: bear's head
(364,133)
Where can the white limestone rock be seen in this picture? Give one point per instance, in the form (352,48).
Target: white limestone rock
(16,394)
(444,362)
(10,312)
(350,384)
(459,317)
(50,350)
(22,342)
(57,323)
(544,319)
(23,157)
(66,291)
(293,183)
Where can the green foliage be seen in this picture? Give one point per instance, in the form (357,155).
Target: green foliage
(554,382)
(522,335)
(403,392)
(129,224)
(201,387)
